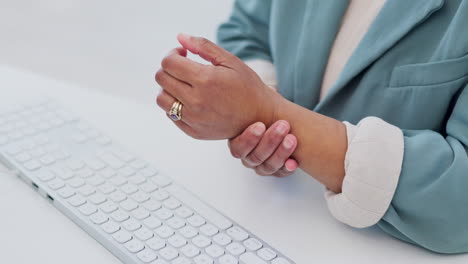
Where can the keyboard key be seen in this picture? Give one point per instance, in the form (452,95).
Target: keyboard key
(127,171)
(203,259)
(47,160)
(95,180)
(172,203)
(209,230)
(207,212)
(118,180)
(250,258)
(120,216)
(117,196)
(56,184)
(112,161)
(110,227)
(95,164)
(22,157)
(140,213)
(196,220)
(280,261)
(188,232)
(129,188)
(164,231)
(32,165)
(176,222)
(134,246)
(161,180)
(46,176)
(137,179)
(152,222)
(85,173)
(106,188)
(253,244)
(63,174)
(76,200)
(104,141)
(152,205)
(107,173)
(146,256)
(75,165)
(66,192)
(168,253)
(123,155)
(122,236)
(177,241)
(160,195)
(88,209)
(108,207)
(138,164)
(148,187)
(76,182)
(235,248)
(181,260)
(163,214)
(131,225)
(129,205)
(190,251)
(184,212)
(214,251)
(156,243)
(237,233)
(201,241)
(228,259)
(266,254)
(99,218)
(140,197)
(97,198)
(148,172)
(222,239)
(86,190)
(144,234)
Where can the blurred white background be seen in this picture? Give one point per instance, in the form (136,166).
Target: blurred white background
(110,45)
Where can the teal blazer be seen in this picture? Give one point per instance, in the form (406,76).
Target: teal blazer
(410,69)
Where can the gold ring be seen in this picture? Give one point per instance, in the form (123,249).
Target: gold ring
(176,111)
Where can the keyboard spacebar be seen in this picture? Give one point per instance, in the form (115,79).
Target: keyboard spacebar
(198,206)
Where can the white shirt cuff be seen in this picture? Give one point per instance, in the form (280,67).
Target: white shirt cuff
(372,169)
(265,70)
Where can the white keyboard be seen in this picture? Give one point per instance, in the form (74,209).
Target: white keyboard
(137,213)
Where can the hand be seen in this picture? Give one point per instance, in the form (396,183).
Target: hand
(219,100)
(268,153)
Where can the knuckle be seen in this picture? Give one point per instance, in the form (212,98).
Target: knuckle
(160,100)
(159,76)
(235,152)
(260,172)
(247,165)
(269,168)
(255,158)
(166,62)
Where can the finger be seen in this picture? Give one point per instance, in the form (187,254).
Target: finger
(182,68)
(207,50)
(287,170)
(279,157)
(268,144)
(165,100)
(242,145)
(180,51)
(175,87)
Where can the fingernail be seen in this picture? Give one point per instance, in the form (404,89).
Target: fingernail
(288,169)
(281,128)
(288,143)
(258,130)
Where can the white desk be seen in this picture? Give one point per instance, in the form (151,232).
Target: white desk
(288,213)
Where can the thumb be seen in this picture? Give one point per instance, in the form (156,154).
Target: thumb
(207,50)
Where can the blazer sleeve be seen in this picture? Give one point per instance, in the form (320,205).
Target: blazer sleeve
(430,205)
(246,32)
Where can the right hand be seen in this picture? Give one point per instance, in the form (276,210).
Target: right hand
(267,152)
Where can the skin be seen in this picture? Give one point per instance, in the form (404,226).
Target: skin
(221,100)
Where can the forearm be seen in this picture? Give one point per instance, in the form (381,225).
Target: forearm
(322,143)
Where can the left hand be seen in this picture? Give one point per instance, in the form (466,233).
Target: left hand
(219,100)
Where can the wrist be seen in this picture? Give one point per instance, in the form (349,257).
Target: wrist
(269,111)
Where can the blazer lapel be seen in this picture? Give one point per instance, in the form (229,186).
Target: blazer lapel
(394,21)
